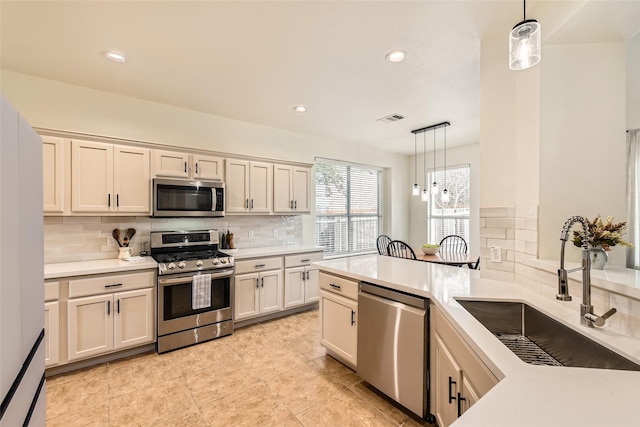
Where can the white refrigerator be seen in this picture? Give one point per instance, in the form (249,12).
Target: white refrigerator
(21,273)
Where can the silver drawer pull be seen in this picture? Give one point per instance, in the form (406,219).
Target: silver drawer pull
(115,285)
(260,265)
(305,260)
(334,286)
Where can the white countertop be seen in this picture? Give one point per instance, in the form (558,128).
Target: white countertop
(271,251)
(527,395)
(81,268)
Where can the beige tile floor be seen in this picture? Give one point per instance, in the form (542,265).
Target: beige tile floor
(270,374)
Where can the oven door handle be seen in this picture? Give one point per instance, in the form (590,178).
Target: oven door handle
(188,279)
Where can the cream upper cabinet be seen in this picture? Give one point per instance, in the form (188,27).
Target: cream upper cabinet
(183,165)
(53,174)
(170,164)
(207,167)
(248,186)
(291,189)
(108,178)
(131,179)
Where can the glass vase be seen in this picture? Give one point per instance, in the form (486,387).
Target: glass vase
(599,258)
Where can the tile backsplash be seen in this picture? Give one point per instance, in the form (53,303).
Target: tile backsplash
(75,238)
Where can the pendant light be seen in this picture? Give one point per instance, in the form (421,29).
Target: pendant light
(445,194)
(434,185)
(524,43)
(425,191)
(416,188)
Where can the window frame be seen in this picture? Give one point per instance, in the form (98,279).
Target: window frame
(349,215)
(430,208)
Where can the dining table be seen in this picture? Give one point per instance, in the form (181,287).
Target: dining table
(452,258)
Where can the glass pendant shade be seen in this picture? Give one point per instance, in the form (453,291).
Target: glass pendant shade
(525,45)
(425,195)
(445,196)
(434,188)
(415,190)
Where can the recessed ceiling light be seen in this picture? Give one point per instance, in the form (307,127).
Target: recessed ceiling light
(299,108)
(115,56)
(396,56)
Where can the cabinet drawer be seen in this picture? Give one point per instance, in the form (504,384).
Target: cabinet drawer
(258,264)
(302,259)
(51,291)
(111,283)
(339,285)
(475,371)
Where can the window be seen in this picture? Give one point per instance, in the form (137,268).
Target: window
(348,203)
(452,218)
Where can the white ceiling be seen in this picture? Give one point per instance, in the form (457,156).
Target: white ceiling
(253,61)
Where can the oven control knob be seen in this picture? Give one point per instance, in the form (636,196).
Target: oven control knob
(215,261)
(223,260)
(182,264)
(230,260)
(171,266)
(198,263)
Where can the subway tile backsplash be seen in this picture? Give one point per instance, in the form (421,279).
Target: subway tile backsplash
(69,239)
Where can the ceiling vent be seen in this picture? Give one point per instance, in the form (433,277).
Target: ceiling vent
(392,118)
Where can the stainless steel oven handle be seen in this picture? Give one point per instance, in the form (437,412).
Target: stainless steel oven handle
(189,278)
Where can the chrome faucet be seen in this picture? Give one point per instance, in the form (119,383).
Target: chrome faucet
(587,317)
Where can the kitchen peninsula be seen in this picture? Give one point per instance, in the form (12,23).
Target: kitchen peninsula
(525,394)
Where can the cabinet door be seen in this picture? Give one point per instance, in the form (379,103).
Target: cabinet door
(133,321)
(270,291)
(51,333)
(246,296)
(89,326)
(448,377)
(237,186)
(294,286)
(300,184)
(312,285)
(132,184)
(282,191)
(91,177)
(53,174)
(339,326)
(170,163)
(261,183)
(208,167)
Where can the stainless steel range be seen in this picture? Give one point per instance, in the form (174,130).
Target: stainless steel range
(195,288)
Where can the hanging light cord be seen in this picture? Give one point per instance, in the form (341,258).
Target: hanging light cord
(425,160)
(434,156)
(445,158)
(415,158)
(524,10)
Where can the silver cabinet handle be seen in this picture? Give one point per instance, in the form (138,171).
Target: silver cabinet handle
(115,285)
(302,275)
(295,204)
(251,203)
(196,167)
(260,265)
(353,317)
(185,167)
(257,283)
(109,200)
(334,286)
(291,205)
(118,306)
(305,260)
(108,308)
(117,200)
(307,275)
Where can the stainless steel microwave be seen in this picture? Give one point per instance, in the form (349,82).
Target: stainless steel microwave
(188,198)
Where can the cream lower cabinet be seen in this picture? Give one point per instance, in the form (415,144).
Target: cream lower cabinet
(459,377)
(109,321)
(257,294)
(301,280)
(339,317)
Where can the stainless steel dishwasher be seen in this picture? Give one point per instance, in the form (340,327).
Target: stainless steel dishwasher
(393,345)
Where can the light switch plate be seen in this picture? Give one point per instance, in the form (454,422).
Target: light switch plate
(496,254)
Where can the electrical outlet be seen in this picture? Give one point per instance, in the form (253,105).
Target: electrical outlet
(251,234)
(496,254)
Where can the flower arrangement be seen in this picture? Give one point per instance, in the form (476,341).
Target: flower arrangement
(603,233)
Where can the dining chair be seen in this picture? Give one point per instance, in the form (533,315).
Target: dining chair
(399,249)
(382,242)
(453,243)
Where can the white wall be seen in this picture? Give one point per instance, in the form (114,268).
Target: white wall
(466,154)
(55,105)
(633,82)
(582,148)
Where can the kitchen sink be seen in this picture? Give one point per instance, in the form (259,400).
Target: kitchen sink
(540,340)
